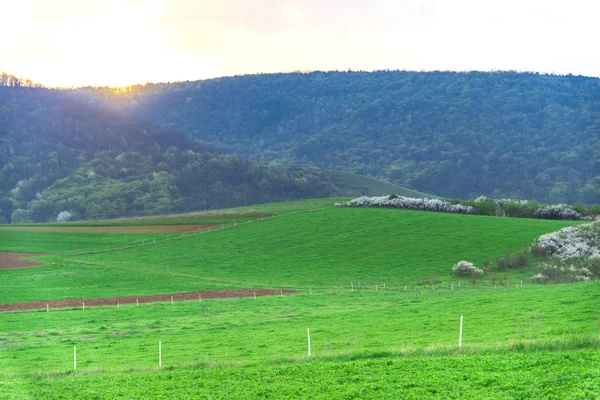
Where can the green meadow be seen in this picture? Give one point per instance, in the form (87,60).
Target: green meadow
(336,246)
(373,285)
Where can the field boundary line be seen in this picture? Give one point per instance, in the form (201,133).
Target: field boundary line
(157,272)
(183,234)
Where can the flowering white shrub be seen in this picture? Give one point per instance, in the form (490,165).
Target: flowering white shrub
(500,201)
(64,216)
(558,211)
(539,277)
(481,199)
(466,268)
(571,273)
(571,242)
(409,203)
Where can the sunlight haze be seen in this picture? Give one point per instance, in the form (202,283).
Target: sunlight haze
(117,43)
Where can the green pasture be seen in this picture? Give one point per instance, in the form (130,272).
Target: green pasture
(344,325)
(337,246)
(63,243)
(373,285)
(563,375)
(75,281)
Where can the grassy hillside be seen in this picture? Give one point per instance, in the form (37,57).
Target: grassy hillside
(336,247)
(354,184)
(372,339)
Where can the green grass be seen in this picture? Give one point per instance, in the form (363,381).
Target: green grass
(74,281)
(344,326)
(360,185)
(62,243)
(338,246)
(566,375)
(532,342)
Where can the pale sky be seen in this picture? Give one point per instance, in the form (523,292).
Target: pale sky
(122,42)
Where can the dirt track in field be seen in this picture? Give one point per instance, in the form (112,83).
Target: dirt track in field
(135,230)
(199,218)
(13,260)
(115,301)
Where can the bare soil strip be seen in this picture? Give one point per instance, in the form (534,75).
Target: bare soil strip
(14,260)
(113,301)
(198,218)
(136,230)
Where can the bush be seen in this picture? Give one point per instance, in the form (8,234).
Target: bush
(518,260)
(570,242)
(466,268)
(559,211)
(409,203)
(64,216)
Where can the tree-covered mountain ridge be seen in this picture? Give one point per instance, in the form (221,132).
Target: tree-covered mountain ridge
(501,134)
(59,153)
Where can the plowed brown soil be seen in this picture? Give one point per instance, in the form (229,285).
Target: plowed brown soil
(199,218)
(136,230)
(114,301)
(14,260)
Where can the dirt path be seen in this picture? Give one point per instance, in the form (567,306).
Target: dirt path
(114,301)
(14,260)
(113,229)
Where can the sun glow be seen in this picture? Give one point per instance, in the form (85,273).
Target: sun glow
(119,44)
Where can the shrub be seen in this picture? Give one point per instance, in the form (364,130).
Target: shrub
(409,203)
(466,268)
(570,242)
(502,263)
(569,273)
(518,260)
(539,278)
(64,216)
(559,211)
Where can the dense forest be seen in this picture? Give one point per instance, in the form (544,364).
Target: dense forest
(501,134)
(59,153)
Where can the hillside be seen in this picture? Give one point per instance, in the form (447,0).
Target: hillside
(459,135)
(374,286)
(60,153)
(319,247)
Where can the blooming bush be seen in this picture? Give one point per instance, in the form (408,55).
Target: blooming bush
(572,242)
(409,203)
(466,268)
(539,278)
(64,216)
(569,273)
(558,211)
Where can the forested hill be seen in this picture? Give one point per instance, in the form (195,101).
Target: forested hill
(59,153)
(453,134)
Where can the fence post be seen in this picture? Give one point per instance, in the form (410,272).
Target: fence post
(159,354)
(83,305)
(460,333)
(308,331)
(47,307)
(74,358)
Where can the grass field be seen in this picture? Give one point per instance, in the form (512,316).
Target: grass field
(337,246)
(270,333)
(374,338)
(570,374)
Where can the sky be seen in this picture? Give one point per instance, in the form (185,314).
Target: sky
(122,42)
